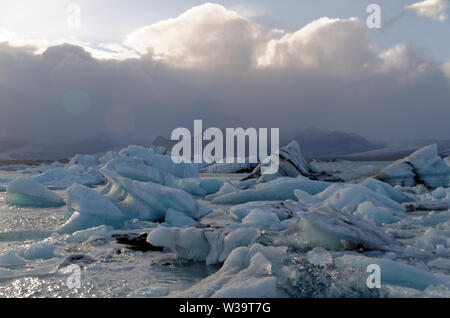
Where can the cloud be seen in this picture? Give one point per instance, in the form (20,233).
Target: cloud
(204,36)
(249,11)
(212,64)
(433,9)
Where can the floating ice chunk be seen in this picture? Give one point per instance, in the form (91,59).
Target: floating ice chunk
(224,189)
(423,166)
(278,189)
(396,273)
(430,240)
(282,209)
(10,259)
(78,221)
(263,219)
(165,164)
(337,231)
(133,151)
(88,201)
(319,256)
(441,194)
(84,160)
(358,200)
(4,183)
(211,185)
(148,200)
(347,199)
(387,190)
(135,169)
(291,164)
(196,186)
(247,272)
(27,192)
(189,243)
(368,211)
(61,178)
(110,155)
(330,229)
(84,235)
(177,219)
(254,286)
(42,168)
(192,186)
(212,246)
(239,237)
(39,250)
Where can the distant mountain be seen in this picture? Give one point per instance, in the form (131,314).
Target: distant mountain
(314,143)
(318,144)
(393,150)
(163,142)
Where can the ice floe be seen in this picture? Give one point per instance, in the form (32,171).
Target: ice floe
(149,200)
(61,178)
(396,273)
(84,160)
(210,245)
(27,192)
(291,163)
(247,272)
(278,189)
(423,166)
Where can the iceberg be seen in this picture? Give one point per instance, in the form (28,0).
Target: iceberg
(88,208)
(88,201)
(396,273)
(291,164)
(4,184)
(357,200)
(263,219)
(134,151)
(39,250)
(210,245)
(61,178)
(135,169)
(224,189)
(148,200)
(246,273)
(110,155)
(278,189)
(27,192)
(319,256)
(282,209)
(42,168)
(178,219)
(200,186)
(329,228)
(334,230)
(387,190)
(165,164)
(421,167)
(10,259)
(83,160)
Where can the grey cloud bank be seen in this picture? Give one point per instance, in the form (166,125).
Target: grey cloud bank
(215,65)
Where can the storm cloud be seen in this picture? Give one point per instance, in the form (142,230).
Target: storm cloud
(212,64)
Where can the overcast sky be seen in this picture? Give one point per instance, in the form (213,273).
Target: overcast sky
(135,69)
